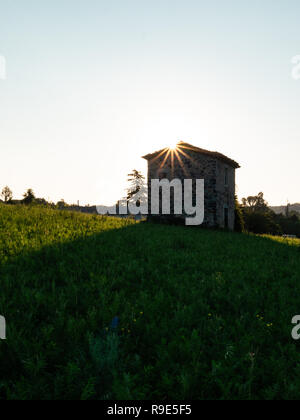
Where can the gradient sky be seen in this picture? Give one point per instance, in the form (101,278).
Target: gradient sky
(93,85)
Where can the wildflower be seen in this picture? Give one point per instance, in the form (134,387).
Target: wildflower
(134,320)
(210,315)
(141,313)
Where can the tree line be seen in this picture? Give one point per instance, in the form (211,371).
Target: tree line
(254,215)
(28,196)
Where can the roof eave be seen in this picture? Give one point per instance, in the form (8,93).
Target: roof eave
(216,155)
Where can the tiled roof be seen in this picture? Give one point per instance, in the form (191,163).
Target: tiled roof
(186,147)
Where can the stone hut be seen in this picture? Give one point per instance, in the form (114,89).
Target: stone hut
(190,162)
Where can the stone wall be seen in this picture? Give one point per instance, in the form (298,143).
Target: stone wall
(194,165)
(225,194)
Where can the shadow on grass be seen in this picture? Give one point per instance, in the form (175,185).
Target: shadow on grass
(160,282)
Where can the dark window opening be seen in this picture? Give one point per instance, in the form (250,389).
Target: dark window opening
(226,218)
(226,176)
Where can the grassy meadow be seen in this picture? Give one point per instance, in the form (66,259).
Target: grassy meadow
(106,308)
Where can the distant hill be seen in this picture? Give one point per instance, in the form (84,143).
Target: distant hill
(282,209)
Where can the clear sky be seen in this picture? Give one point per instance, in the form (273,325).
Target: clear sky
(93,85)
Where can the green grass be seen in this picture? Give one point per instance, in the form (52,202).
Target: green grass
(202,314)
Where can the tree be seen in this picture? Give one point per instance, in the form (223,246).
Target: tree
(7,194)
(137,196)
(260,223)
(61,204)
(239,224)
(137,185)
(29,197)
(259,218)
(137,181)
(255,203)
(289,225)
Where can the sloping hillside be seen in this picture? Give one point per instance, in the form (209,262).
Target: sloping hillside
(103,308)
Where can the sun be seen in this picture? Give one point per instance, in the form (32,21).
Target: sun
(173,146)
